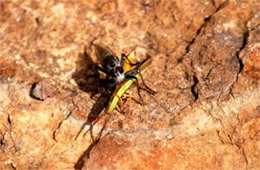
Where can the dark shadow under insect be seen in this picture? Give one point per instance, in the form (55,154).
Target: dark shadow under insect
(83,76)
(88,81)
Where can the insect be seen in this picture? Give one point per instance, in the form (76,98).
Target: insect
(115,71)
(120,90)
(121,74)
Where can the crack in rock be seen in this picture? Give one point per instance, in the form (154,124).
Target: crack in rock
(244,43)
(193,88)
(206,20)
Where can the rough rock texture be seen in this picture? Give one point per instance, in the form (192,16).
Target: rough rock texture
(206,71)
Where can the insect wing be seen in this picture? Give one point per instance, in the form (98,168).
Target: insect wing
(102,51)
(121,89)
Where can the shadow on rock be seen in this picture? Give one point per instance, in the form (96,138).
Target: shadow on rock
(86,76)
(87,79)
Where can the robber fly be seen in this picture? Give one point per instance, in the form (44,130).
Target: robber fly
(113,67)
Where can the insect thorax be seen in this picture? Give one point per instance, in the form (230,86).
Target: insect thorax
(110,62)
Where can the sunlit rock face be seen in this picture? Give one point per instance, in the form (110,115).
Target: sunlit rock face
(205,70)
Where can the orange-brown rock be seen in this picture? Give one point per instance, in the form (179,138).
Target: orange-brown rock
(206,71)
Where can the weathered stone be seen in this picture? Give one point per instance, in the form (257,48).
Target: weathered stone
(206,71)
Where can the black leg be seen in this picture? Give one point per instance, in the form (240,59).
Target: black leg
(137,85)
(131,72)
(138,71)
(150,90)
(120,105)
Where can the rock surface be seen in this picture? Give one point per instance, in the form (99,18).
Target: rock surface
(206,71)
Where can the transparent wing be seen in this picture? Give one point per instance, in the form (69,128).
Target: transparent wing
(102,51)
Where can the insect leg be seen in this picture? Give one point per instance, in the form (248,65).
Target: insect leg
(120,106)
(132,98)
(138,71)
(137,84)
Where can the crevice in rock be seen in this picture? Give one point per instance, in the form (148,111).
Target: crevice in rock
(213,3)
(244,43)
(231,142)
(2,139)
(244,155)
(230,137)
(9,120)
(187,49)
(240,62)
(193,90)
(206,20)
(13,166)
(213,117)
(241,65)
